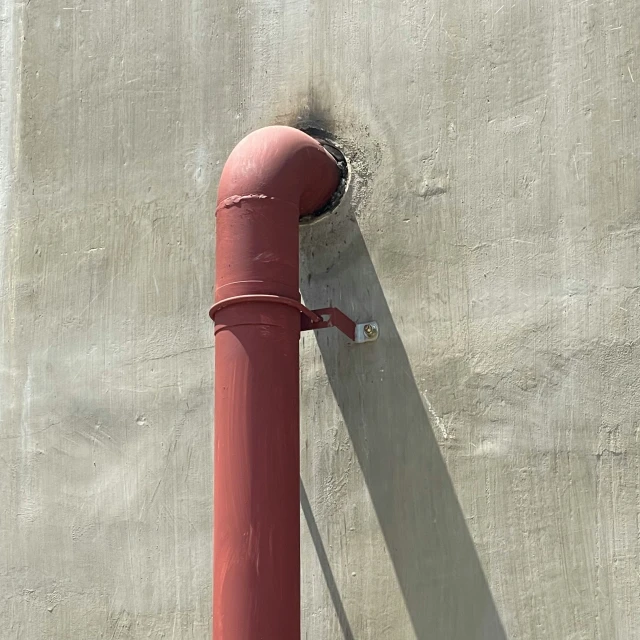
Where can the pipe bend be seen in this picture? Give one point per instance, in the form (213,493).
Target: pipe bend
(281,163)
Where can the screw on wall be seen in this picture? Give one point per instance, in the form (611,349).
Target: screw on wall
(367,332)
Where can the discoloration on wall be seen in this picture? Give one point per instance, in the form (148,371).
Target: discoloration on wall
(490,228)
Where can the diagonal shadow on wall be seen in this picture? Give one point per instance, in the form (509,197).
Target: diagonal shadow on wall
(323,559)
(437,567)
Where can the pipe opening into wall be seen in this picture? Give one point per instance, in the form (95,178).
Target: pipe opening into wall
(329,145)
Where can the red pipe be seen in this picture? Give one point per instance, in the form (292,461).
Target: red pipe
(271,178)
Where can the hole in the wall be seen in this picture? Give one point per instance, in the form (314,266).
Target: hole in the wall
(331,146)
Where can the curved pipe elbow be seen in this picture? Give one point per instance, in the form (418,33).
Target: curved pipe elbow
(282,163)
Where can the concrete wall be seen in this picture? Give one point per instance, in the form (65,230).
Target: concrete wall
(475,475)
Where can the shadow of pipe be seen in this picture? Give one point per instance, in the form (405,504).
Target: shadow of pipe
(334,593)
(438,571)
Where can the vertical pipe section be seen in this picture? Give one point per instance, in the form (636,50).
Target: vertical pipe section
(272,177)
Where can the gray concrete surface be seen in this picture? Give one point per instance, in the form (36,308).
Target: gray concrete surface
(475,475)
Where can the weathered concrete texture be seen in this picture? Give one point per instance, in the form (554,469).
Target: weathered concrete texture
(476,473)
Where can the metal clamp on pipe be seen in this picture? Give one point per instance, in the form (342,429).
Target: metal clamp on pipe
(310,319)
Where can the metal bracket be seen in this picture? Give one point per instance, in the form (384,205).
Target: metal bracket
(310,320)
(333,317)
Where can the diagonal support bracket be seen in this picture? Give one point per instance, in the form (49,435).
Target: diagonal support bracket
(333,317)
(310,320)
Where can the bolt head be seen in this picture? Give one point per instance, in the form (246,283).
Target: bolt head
(369,330)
